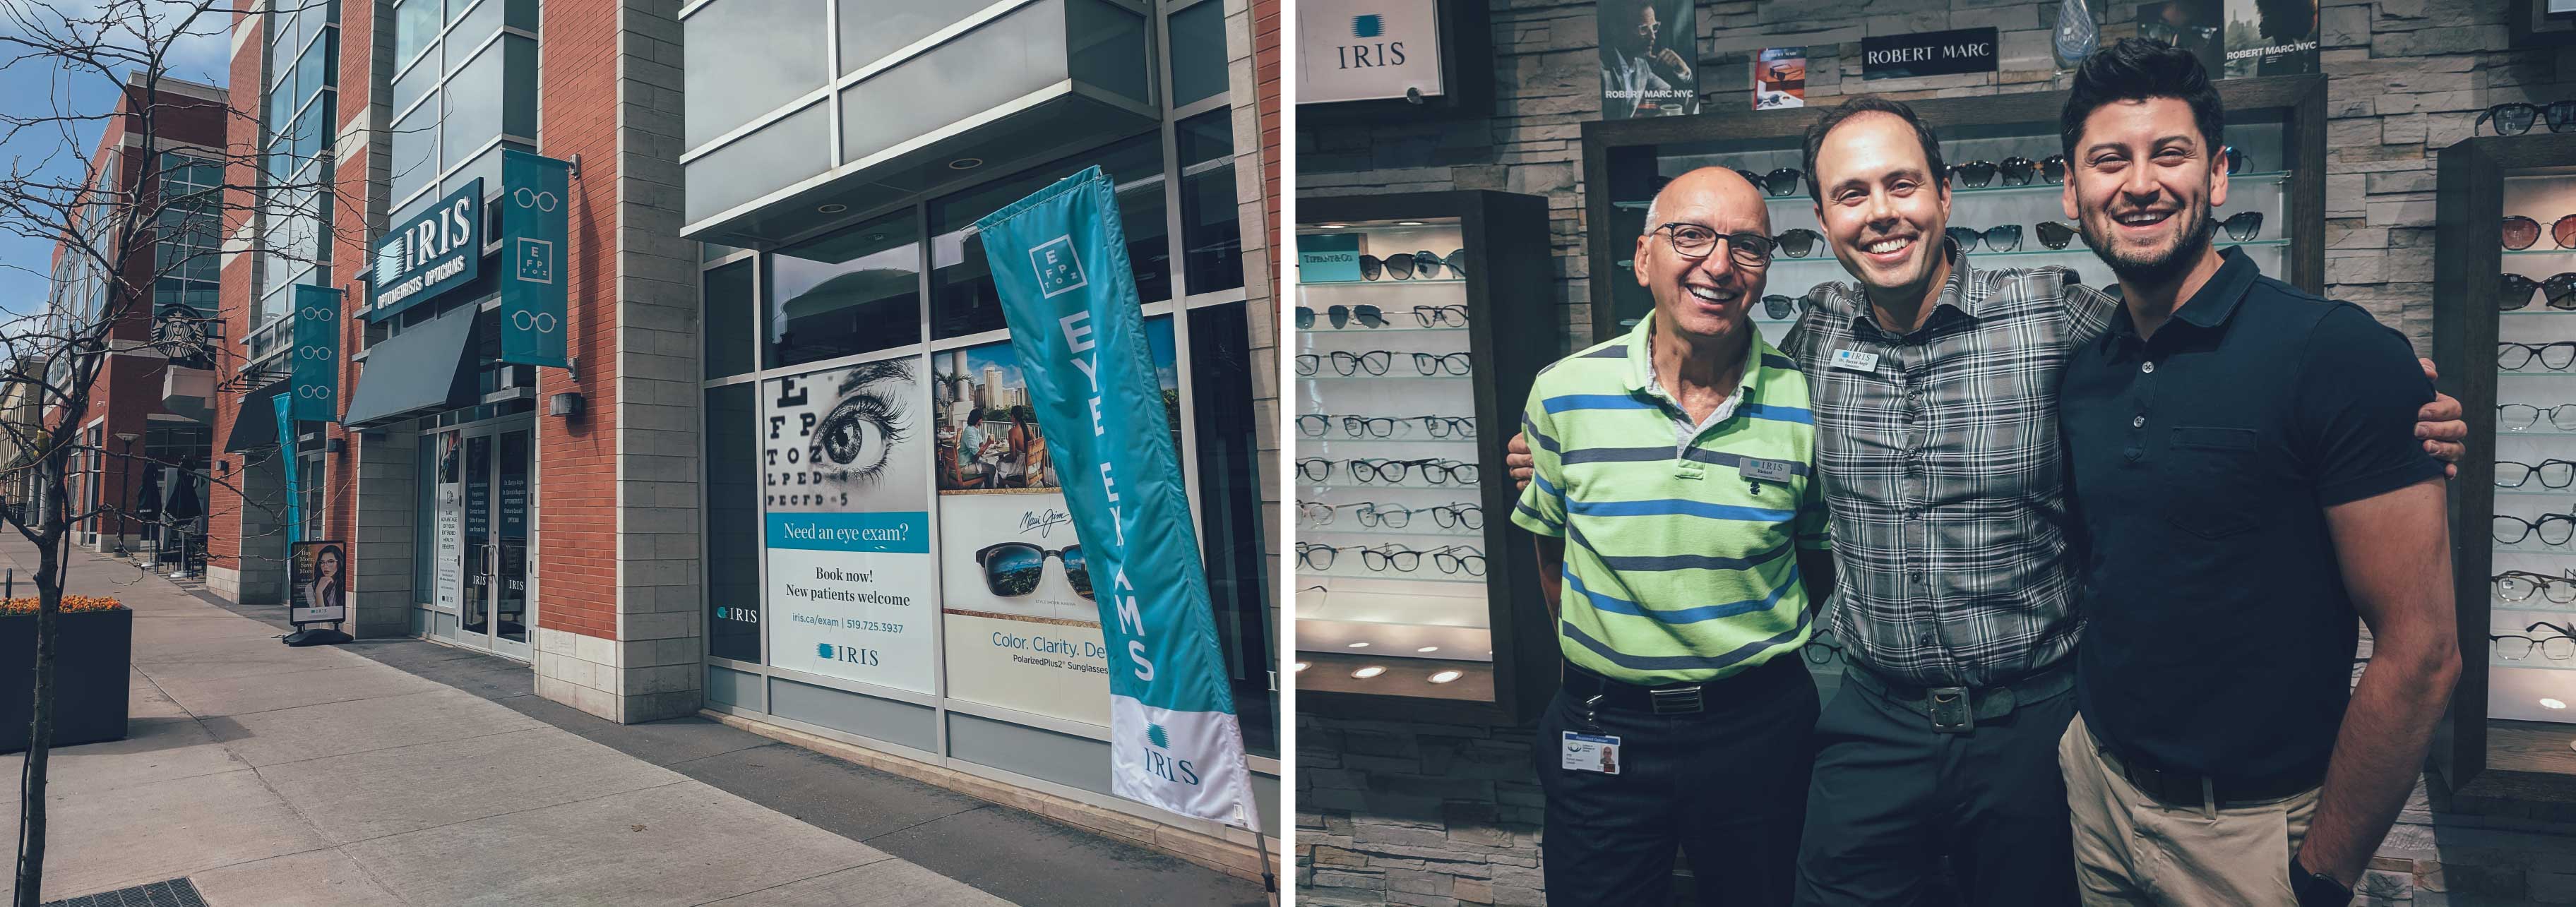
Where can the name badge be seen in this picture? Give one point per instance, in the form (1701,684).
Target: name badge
(1855,360)
(1591,753)
(1764,470)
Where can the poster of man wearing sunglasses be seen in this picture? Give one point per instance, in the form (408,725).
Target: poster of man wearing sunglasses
(1022,630)
(848,527)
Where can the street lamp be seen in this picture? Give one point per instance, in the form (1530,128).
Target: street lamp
(125,490)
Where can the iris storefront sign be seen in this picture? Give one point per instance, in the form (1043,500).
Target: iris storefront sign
(435,251)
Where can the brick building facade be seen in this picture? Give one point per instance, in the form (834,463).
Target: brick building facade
(1434,815)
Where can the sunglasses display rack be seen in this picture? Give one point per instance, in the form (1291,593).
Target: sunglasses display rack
(1399,371)
(2532,576)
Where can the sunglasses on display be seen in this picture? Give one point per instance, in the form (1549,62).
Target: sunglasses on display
(2517,118)
(1440,315)
(1973,174)
(1014,569)
(2517,291)
(2560,645)
(2518,585)
(2520,416)
(2510,474)
(1999,238)
(2054,235)
(2555,357)
(1778,306)
(1822,648)
(1798,243)
(2553,529)
(1368,316)
(1427,266)
(1783,181)
(2521,232)
(2235,159)
(2244,225)
(1400,266)
(1750,249)
(2053,168)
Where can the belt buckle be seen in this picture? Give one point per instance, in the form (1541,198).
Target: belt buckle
(1674,700)
(1952,709)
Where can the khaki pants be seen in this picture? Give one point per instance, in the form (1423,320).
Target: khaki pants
(2133,849)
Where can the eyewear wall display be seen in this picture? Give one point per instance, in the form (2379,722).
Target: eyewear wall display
(1368,316)
(2552,473)
(2517,118)
(1374,470)
(2555,357)
(1314,425)
(1381,515)
(2518,585)
(2558,645)
(2522,416)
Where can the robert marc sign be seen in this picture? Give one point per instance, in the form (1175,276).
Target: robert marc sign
(1357,50)
(430,253)
(1937,53)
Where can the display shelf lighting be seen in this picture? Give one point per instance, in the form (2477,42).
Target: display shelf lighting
(2548,703)
(1359,645)
(1333,226)
(1447,676)
(1368,672)
(1408,223)
(1302,666)
(1428,649)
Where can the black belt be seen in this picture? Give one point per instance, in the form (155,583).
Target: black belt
(2192,790)
(1958,709)
(1677,698)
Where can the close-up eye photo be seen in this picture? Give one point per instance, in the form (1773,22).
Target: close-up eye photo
(857,436)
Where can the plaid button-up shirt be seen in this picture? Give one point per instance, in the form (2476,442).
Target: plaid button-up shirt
(1942,468)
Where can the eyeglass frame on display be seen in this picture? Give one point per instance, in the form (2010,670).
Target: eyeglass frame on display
(2531,471)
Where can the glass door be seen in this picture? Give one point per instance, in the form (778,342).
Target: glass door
(509,594)
(474,614)
(482,566)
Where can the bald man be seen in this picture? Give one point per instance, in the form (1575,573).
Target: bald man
(1681,536)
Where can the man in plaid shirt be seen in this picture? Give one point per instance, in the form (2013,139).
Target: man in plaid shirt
(1934,387)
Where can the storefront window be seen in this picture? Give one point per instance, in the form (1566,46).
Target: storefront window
(726,320)
(962,299)
(1212,241)
(733,525)
(1229,500)
(855,291)
(1198,52)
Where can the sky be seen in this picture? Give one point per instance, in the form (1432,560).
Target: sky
(38,86)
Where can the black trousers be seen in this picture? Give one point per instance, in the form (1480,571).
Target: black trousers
(1727,785)
(1891,796)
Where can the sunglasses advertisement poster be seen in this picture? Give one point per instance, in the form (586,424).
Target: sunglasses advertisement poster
(1022,628)
(1649,58)
(2271,38)
(850,592)
(2193,25)
(1780,78)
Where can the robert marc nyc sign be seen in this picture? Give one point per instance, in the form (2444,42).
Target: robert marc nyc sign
(1357,50)
(1937,53)
(430,253)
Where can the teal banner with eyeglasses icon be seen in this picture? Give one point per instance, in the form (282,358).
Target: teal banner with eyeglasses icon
(536,195)
(313,389)
(1059,262)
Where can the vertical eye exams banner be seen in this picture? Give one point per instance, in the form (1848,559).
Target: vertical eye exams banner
(1059,260)
(534,222)
(315,371)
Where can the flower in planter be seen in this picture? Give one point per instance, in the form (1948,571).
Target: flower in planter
(72,604)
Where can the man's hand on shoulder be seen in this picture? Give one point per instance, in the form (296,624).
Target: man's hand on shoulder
(2439,424)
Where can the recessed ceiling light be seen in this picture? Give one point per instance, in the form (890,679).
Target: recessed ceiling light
(1447,676)
(1428,649)
(832,208)
(1302,666)
(1368,672)
(1334,226)
(1408,223)
(966,163)
(2552,703)
(1359,645)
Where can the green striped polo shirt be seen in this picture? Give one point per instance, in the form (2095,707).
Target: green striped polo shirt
(1678,567)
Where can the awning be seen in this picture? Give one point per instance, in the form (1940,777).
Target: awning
(422,368)
(255,426)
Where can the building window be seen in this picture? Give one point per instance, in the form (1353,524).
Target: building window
(1229,503)
(296,129)
(727,301)
(1198,52)
(962,298)
(1211,236)
(465,86)
(854,291)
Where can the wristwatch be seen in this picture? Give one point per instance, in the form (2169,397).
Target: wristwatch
(2316,889)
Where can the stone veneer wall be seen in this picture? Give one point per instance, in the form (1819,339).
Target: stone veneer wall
(1437,815)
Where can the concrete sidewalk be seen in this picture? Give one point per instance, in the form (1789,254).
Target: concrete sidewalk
(402,772)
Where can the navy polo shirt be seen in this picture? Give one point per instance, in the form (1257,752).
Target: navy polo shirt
(2219,635)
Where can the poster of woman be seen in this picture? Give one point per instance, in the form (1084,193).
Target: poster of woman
(320,580)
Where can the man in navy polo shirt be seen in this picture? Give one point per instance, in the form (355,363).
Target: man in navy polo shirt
(2245,469)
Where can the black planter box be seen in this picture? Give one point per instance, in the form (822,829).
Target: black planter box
(93,661)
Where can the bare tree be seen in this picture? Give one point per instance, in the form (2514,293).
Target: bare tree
(127,220)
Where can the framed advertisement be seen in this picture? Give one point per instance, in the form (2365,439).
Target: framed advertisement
(1023,631)
(317,572)
(848,525)
(1649,58)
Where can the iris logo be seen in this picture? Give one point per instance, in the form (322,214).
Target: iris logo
(1367,26)
(852,654)
(1368,49)
(1161,764)
(823,650)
